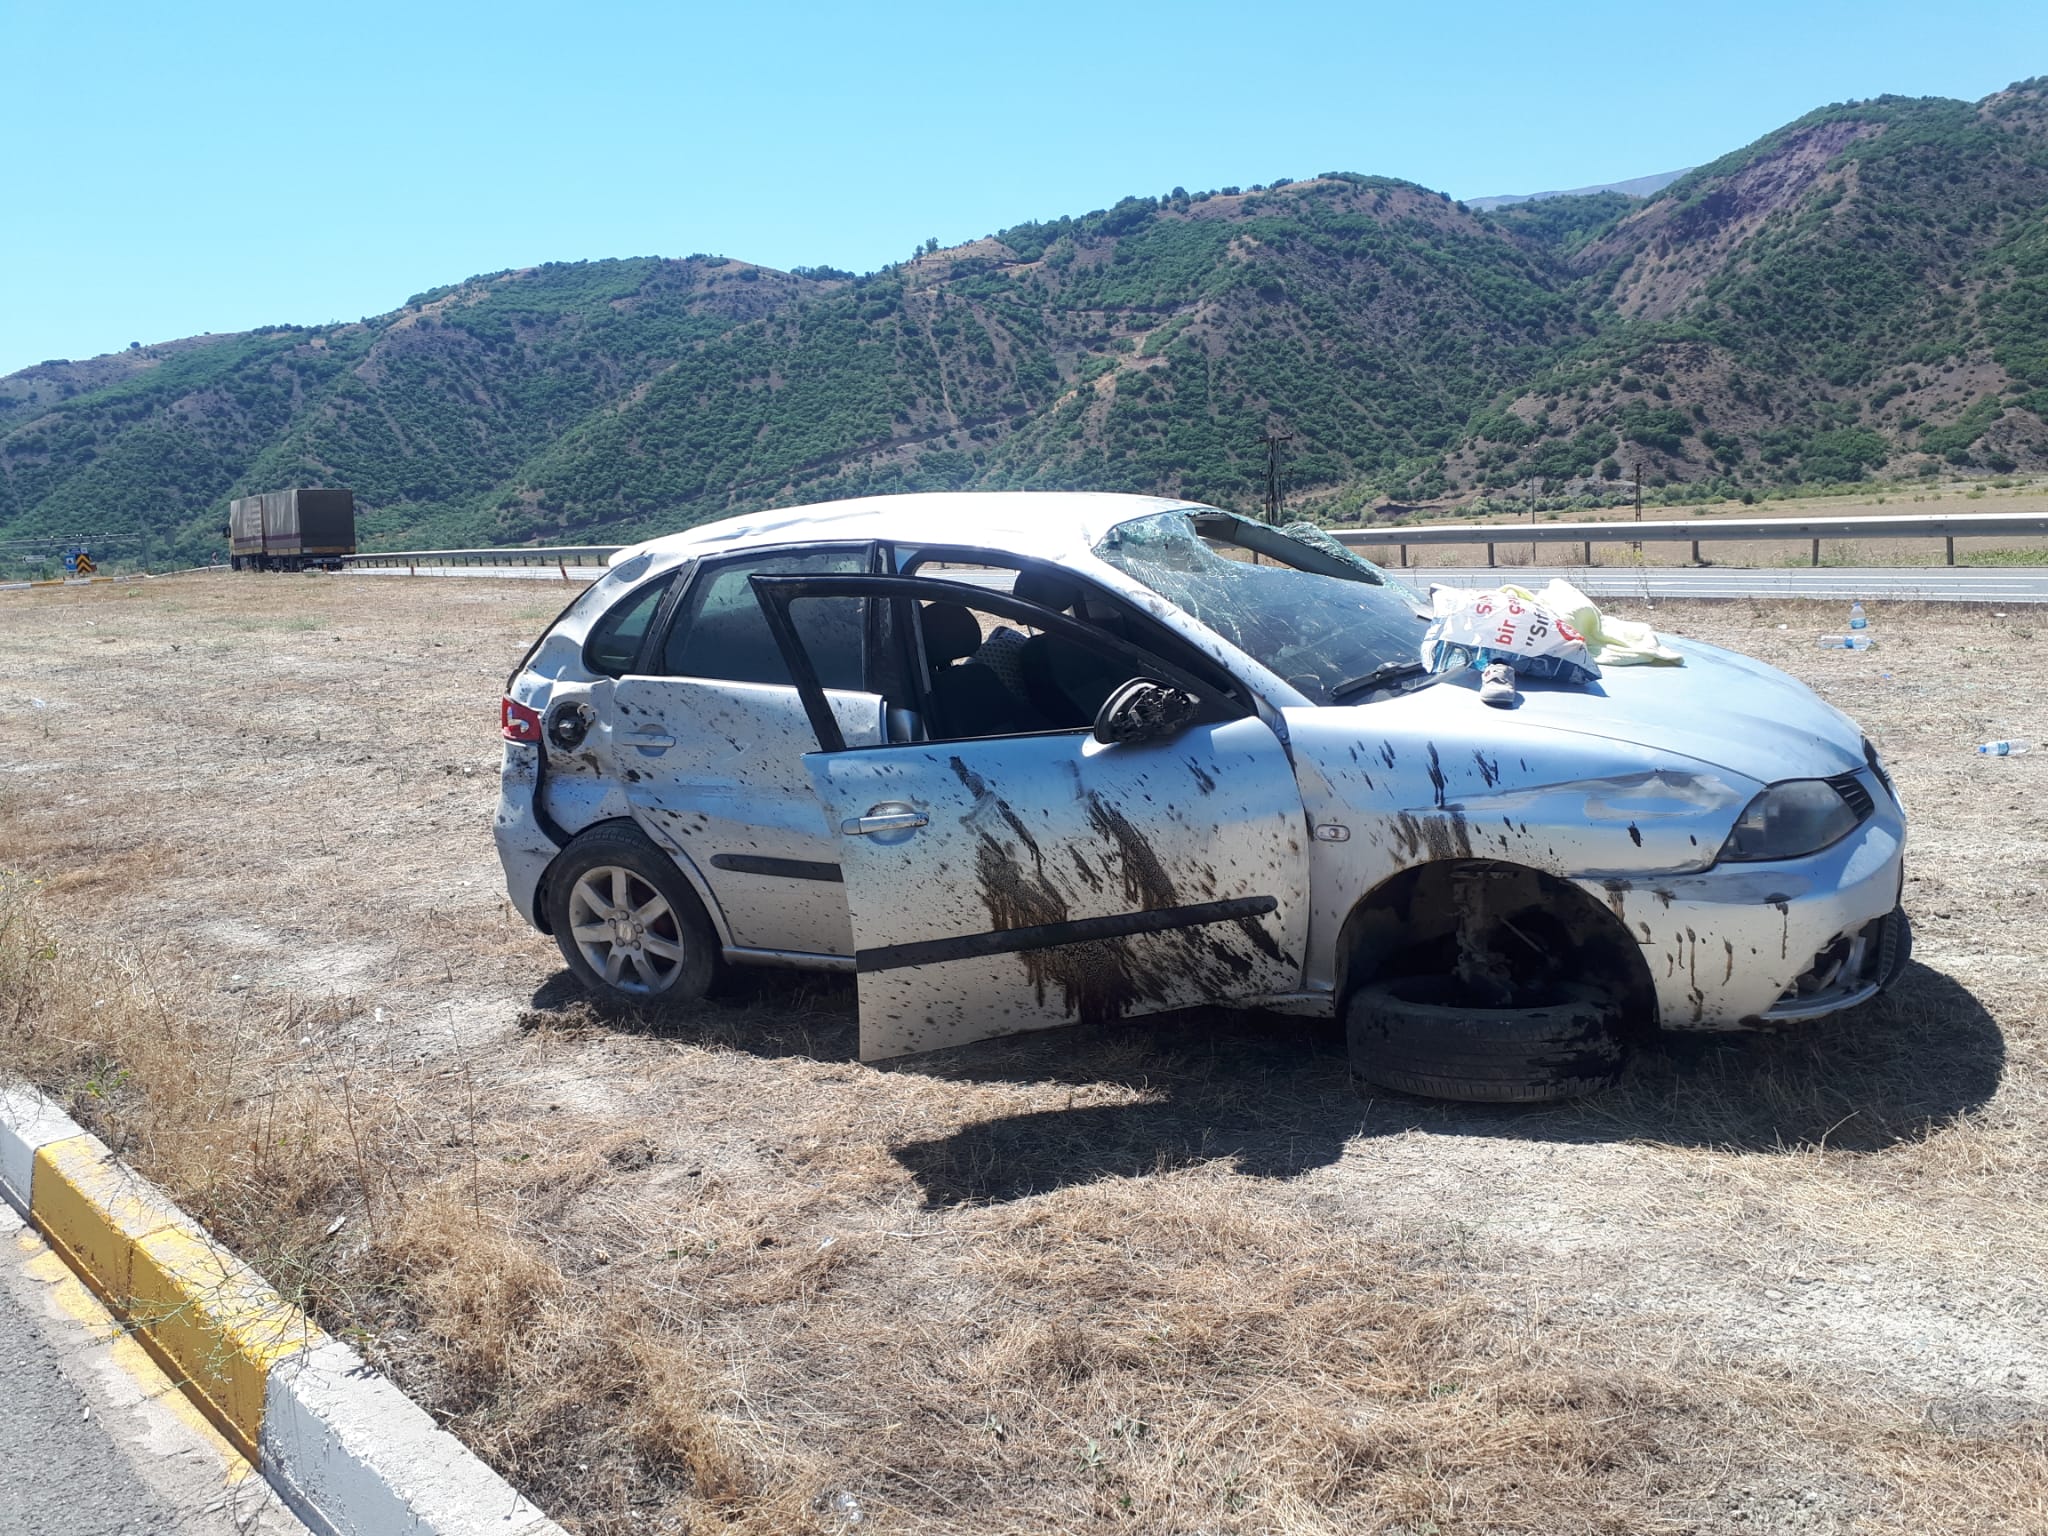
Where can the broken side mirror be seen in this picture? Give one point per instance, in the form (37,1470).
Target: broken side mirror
(1143,709)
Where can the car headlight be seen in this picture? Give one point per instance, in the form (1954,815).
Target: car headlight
(1787,820)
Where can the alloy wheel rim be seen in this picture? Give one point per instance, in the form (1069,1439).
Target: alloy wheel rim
(626,930)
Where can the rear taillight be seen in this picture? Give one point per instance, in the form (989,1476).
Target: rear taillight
(517,722)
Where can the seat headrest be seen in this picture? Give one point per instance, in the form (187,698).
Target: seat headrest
(1047,589)
(950,633)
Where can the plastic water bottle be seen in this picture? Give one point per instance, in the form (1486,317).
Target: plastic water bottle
(1856,618)
(2001,748)
(1862,642)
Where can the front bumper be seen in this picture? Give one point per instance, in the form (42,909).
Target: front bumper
(1742,946)
(1852,970)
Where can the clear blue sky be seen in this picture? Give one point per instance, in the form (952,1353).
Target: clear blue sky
(213,166)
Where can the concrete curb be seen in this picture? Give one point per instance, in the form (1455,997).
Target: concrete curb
(348,1453)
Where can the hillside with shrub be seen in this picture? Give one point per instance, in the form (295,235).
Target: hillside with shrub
(1861,293)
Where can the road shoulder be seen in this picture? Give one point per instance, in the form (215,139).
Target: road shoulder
(97,1436)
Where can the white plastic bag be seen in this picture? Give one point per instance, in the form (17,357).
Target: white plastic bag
(1614,642)
(1474,628)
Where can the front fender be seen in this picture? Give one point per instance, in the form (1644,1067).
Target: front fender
(1387,791)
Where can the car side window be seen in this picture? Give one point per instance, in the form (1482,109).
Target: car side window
(615,639)
(992,674)
(1068,594)
(988,675)
(972,664)
(720,632)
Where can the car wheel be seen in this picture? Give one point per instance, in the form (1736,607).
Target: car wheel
(1415,1034)
(628,922)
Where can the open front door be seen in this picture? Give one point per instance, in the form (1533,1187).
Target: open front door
(1015,882)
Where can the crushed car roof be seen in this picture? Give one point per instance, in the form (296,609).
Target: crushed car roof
(1047,524)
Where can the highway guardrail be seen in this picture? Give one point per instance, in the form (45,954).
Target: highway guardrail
(1945,526)
(529,554)
(560,556)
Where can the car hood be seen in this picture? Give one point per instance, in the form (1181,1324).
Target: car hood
(1720,708)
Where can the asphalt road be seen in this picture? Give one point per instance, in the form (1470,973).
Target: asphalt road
(59,1470)
(89,1446)
(1933,584)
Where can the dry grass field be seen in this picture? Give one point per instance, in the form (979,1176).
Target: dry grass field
(1999,494)
(1165,1278)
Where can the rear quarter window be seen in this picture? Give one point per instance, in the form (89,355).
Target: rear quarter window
(720,632)
(615,639)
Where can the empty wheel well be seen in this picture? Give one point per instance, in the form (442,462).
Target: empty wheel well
(1440,918)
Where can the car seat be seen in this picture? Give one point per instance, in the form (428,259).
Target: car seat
(1065,679)
(969,697)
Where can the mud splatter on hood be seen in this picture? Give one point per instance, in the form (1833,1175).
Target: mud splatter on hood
(1719,708)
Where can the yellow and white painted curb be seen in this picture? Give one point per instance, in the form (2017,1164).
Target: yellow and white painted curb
(348,1453)
(178,1452)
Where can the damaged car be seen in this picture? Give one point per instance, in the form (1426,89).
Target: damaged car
(1021,760)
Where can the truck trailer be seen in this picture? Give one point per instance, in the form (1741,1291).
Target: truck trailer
(295,530)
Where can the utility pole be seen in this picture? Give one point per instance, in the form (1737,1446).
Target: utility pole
(1637,546)
(1273,440)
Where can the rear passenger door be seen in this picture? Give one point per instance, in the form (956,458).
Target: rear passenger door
(708,740)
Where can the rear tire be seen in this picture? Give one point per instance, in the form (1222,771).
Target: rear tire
(1414,1034)
(628,922)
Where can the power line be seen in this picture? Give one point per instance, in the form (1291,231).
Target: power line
(1638,548)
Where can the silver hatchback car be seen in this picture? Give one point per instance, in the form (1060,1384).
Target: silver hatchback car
(1025,760)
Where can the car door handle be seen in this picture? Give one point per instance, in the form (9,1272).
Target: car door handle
(650,740)
(881,820)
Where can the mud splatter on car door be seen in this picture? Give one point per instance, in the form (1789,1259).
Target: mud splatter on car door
(1018,883)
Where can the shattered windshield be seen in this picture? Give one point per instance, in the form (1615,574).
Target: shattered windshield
(1333,637)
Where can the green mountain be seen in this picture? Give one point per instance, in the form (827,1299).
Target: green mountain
(1863,292)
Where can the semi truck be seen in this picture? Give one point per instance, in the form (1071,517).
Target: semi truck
(297,530)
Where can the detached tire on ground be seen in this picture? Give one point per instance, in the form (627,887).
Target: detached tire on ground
(628,923)
(1413,1034)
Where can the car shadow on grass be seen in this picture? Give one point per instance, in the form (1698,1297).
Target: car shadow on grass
(763,1012)
(1273,1096)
